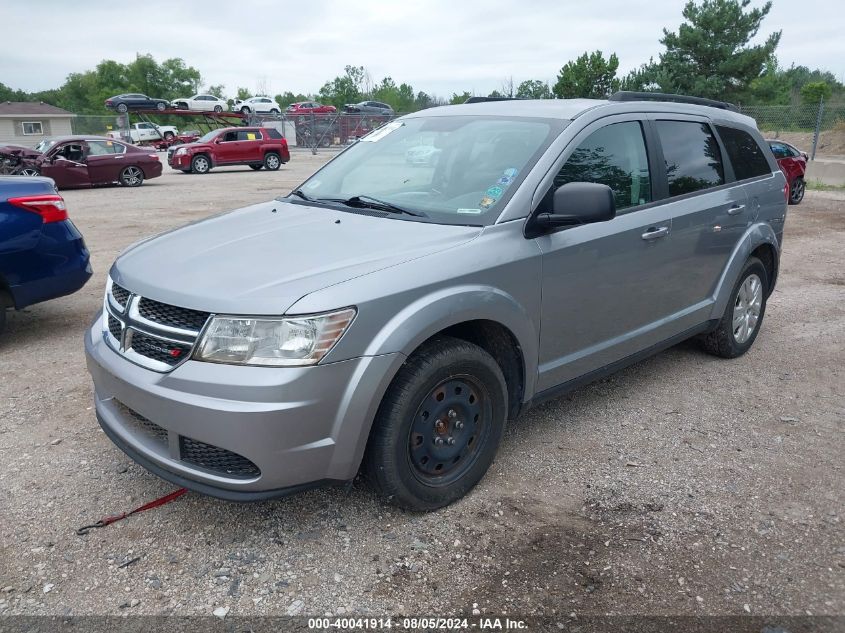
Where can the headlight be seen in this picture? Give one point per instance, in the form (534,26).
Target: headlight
(181,151)
(277,342)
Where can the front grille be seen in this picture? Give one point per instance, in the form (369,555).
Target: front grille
(120,295)
(159,350)
(217,459)
(114,327)
(172,316)
(149,428)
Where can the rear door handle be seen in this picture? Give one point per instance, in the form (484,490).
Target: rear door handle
(656,232)
(737,208)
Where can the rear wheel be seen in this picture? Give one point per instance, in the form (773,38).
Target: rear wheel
(161,106)
(200,164)
(743,315)
(218,109)
(121,107)
(439,425)
(796,191)
(131,176)
(274,111)
(168,136)
(245,110)
(272,161)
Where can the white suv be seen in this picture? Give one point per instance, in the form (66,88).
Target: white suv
(257,104)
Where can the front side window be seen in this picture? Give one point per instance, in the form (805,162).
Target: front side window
(454,169)
(614,156)
(693,158)
(31,128)
(744,153)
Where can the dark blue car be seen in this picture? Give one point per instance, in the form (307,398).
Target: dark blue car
(42,254)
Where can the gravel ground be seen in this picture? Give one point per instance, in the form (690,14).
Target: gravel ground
(683,485)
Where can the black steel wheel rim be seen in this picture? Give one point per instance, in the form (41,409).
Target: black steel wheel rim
(449,428)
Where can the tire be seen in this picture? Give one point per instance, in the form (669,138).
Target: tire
(161,106)
(168,136)
(245,110)
(444,381)
(256,167)
(733,338)
(200,164)
(218,109)
(122,108)
(274,111)
(30,171)
(796,191)
(272,161)
(131,176)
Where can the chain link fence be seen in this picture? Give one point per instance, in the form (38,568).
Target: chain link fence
(818,129)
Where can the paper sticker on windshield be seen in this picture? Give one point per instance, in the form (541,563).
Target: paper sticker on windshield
(470,211)
(487,202)
(384,130)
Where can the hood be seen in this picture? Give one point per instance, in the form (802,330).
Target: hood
(19,151)
(262,259)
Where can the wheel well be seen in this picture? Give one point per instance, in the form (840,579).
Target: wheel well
(766,254)
(501,344)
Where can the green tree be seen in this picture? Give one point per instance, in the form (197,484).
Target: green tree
(815,91)
(217,90)
(243,94)
(642,79)
(286,98)
(344,89)
(459,98)
(589,76)
(710,55)
(534,89)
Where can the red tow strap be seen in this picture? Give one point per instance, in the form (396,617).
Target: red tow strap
(117,517)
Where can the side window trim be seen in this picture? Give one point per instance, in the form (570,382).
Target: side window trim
(547,182)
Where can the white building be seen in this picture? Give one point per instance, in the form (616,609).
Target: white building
(26,123)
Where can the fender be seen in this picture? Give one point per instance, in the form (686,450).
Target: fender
(445,307)
(756,234)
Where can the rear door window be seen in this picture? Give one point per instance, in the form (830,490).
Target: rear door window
(249,135)
(614,156)
(744,153)
(693,158)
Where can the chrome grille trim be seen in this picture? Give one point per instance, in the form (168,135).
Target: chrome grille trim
(131,321)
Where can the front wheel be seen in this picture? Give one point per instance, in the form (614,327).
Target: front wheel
(273,111)
(272,161)
(743,315)
(30,171)
(161,106)
(439,425)
(168,136)
(200,164)
(131,176)
(245,110)
(218,109)
(796,191)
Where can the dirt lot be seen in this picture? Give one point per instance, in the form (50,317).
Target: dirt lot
(684,485)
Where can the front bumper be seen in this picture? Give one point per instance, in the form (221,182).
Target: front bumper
(183,161)
(297,425)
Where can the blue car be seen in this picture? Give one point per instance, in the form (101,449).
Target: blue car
(42,254)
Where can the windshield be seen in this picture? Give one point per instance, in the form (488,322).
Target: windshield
(44,145)
(452,169)
(207,138)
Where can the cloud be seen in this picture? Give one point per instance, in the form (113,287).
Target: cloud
(439,46)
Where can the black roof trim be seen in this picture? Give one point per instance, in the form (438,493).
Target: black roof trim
(627,95)
(483,99)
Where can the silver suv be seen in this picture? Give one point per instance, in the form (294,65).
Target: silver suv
(395,316)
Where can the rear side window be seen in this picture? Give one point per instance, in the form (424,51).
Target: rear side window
(614,156)
(744,153)
(693,159)
(249,135)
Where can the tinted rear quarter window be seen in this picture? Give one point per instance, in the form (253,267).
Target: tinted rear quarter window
(273,132)
(693,158)
(744,153)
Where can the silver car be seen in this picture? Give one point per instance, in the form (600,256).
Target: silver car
(395,317)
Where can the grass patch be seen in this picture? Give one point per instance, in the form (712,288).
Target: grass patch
(817,185)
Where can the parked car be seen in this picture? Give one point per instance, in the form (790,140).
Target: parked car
(84,161)
(202,103)
(187,136)
(42,254)
(145,132)
(369,107)
(254,146)
(309,107)
(397,318)
(793,163)
(256,105)
(134,101)
(425,155)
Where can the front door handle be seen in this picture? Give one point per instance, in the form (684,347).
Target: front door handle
(656,232)
(737,208)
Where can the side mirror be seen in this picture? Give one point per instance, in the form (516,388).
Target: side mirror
(576,203)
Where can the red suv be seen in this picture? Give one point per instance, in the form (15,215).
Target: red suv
(254,146)
(793,163)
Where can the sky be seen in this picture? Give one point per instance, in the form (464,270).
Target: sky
(438,46)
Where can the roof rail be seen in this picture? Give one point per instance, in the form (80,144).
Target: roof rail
(627,95)
(483,99)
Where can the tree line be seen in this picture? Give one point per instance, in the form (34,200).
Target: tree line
(710,55)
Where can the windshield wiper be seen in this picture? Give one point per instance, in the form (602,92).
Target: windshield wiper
(301,194)
(375,203)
